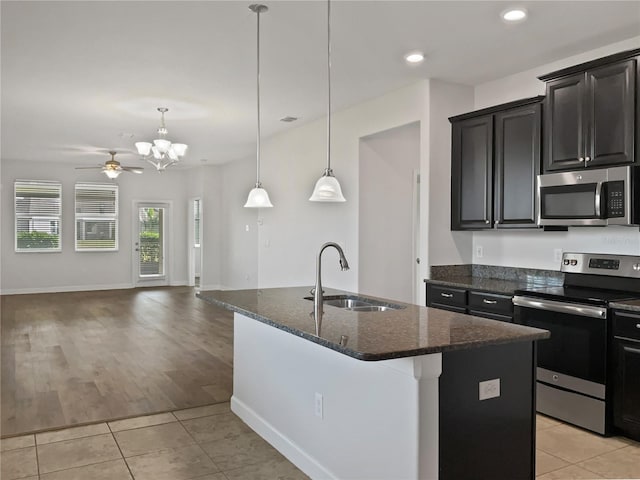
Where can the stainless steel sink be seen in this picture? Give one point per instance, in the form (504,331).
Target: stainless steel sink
(357,304)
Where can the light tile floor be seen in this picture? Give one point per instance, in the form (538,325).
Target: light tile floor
(211,443)
(565,452)
(203,443)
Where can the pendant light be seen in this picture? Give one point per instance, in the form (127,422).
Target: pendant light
(258,196)
(327,187)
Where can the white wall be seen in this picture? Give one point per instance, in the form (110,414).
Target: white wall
(291,233)
(535,249)
(239,227)
(388,161)
(71,270)
(445,247)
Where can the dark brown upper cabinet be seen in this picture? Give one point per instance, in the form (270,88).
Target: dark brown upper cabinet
(495,158)
(591,114)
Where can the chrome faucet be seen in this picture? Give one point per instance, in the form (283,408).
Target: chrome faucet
(318,294)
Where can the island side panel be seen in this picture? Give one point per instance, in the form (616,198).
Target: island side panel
(379,419)
(495,436)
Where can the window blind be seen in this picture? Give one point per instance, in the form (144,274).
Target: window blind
(38,213)
(96,217)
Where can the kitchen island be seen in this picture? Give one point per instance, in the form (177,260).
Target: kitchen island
(363,397)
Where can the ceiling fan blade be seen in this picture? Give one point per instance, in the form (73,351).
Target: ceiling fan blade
(89,168)
(133,169)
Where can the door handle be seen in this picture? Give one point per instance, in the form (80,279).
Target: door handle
(598,199)
(137,249)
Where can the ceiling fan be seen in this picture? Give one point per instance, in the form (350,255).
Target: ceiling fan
(112,168)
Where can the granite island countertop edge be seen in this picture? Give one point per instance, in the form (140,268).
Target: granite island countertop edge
(527,334)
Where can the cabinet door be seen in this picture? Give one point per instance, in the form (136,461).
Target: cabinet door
(563,123)
(626,406)
(610,114)
(471,173)
(517,163)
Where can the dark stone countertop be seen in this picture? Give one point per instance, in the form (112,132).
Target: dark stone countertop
(492,285)
(493,279)
(630,305)
(407,332)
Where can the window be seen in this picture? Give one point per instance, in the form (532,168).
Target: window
(38,214)
(196,222)
(96,217)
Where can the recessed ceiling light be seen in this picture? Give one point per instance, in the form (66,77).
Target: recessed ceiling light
(414,57)
(514,15)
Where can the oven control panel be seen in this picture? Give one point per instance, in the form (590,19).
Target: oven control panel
(601,264)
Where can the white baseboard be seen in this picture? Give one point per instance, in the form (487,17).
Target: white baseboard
(86,288)
(66,288)
(214,287)
(286,447)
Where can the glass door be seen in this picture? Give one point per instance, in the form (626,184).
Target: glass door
(151,244)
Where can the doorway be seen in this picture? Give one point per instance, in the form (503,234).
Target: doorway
(195,242)
(389,214)
(151,243)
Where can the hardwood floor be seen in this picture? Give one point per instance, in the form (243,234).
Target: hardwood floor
(82,357)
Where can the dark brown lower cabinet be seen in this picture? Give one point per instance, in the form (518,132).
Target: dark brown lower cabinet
(626,374)
(493,438)
(491,305)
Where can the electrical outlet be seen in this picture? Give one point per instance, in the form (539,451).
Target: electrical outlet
(557,255)
(489,389)
(317,405)
(479,251)
(246,228)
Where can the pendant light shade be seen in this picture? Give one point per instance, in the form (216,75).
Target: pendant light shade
(327,187)
(258,196)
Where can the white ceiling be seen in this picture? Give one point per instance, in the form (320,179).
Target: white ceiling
(79,76)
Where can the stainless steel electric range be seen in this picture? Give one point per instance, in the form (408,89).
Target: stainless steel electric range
(573,381)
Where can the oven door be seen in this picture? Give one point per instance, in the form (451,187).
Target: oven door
(574,358)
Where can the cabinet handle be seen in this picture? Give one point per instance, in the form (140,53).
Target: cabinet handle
(487,222)
(587,159)
(581,159)
(489,302)
(637,325)
(447,295)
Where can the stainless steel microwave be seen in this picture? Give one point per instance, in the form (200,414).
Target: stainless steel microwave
(598,197)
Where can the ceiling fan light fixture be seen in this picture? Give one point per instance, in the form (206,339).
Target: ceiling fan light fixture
(112,173)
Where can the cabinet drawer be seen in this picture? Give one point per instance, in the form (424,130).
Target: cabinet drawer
(447,295)
(492,316)
(450,308)
(626,325)
(490,302)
